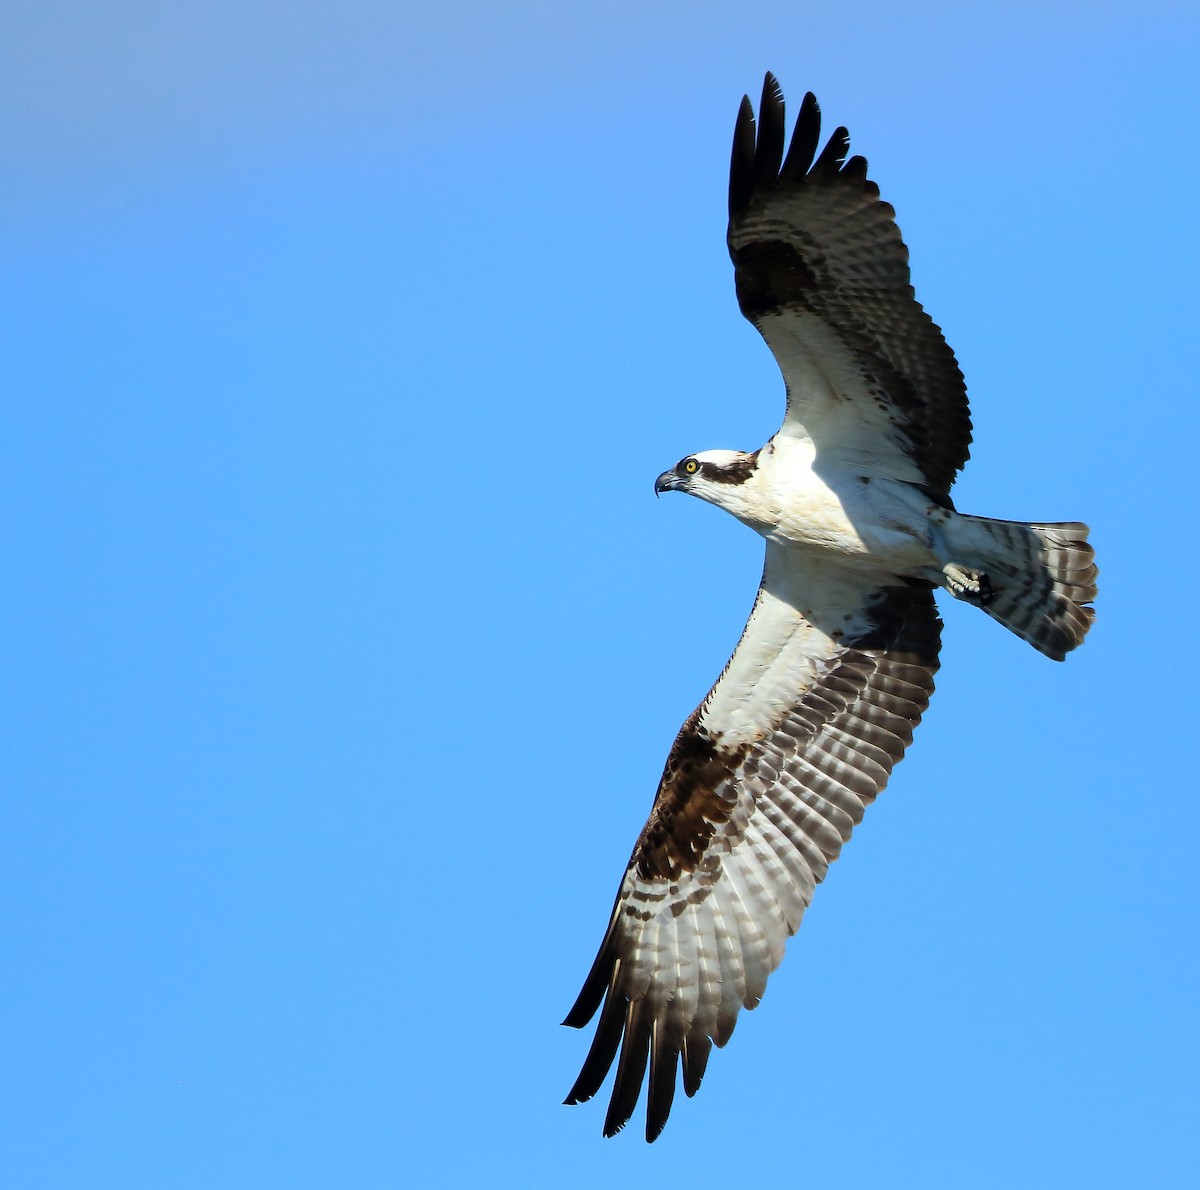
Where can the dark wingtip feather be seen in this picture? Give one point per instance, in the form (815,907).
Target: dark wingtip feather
(602,1051)
(726,1022)
(631,1070)
(833,154)
(856,167)
(768,152)
(695,1060)
(584,1007)
(805,138)
(741,165)
(598,978)
(664,1065)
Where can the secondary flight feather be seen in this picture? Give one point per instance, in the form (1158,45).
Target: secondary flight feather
(771,773)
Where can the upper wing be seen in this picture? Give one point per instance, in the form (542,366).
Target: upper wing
(822,272)
(764,784)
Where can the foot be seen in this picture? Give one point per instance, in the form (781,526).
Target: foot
(973,586)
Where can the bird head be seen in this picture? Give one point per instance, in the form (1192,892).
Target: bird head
(708,473)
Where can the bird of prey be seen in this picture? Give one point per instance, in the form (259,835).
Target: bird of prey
(771,773)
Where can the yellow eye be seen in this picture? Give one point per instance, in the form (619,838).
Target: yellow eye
(690,466)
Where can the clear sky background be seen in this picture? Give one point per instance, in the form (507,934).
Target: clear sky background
(345,639)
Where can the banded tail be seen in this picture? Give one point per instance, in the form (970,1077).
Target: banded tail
(1037,580)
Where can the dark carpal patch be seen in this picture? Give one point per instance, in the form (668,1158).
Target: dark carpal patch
(695,798)
(771,274)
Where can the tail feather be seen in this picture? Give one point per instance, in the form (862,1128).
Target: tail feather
(1042,579)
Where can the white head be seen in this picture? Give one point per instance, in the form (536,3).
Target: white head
(718,476)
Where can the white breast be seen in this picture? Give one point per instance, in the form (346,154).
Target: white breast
(793,500)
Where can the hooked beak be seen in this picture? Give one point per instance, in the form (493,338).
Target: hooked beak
(668,481)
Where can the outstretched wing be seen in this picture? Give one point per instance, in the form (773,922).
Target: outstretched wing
(822,272)
(764,784)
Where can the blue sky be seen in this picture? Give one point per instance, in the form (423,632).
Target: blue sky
(345,638)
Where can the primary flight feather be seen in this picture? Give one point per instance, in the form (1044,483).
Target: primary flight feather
(770,774)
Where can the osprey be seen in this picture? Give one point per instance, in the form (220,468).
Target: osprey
(771,773)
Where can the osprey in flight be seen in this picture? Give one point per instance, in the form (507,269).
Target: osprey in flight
(771,773)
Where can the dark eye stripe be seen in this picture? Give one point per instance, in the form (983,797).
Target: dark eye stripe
(736,472)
